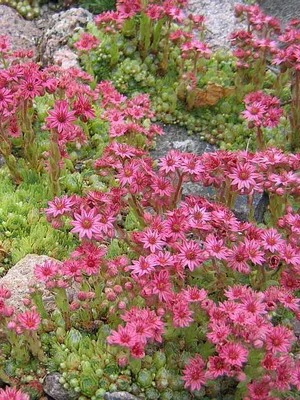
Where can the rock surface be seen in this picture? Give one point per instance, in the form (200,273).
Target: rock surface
(20,276)
(220,19)
(119,396)
(53,388)
(24,34)
(284,10)
(54,45)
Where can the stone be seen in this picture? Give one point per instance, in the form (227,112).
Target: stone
(53,388)
(119,396)
(54,44)
(284,10)
(176,137)
(23,34)
(21,275)
(220,20)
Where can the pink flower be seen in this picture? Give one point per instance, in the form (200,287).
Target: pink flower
(5,45)
(296,376)
(191,254)
(194,373)
(86,224)
(46,271)
(152,240)
(217,367)
(142,266)
(124,336)
(279,339)
(234,354)
(237,259)
(244,177)
(13,394)
(29,320)
(6,98)
(61,117)
(31,87)
(215,247)
(87,42)
(60,206)
(259,390)
(161,285)
(182,316)
(272,240)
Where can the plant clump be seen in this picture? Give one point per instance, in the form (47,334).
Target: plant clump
(160,49)
(159,293)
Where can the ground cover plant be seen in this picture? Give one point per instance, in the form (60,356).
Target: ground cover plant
(159,49)
(159,294)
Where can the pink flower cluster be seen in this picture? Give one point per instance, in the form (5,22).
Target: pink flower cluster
(262,110)
(22,83)
(87,42)
(264,39)
(29,320)
(111,21)
(259,41)
(126,116)
(142,326)
(178,240)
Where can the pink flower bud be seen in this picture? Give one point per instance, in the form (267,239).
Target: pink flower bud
(123,361)
(280,191)
(11,325)
(111,296)
(241,376)
(122,305)
(50,284)
(258,344)
(82,296)
(27,302)
(19,330)
(62,284)
(118,289)
(161,311)
(8,311)
(128,286)
(57,224)
(74,306)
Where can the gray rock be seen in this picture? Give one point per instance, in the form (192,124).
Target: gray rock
(53,388)
(54,45)
(21,276)
(284,10)
(120,396)
(176,138)
(220,19)
(296,326)
(23,34)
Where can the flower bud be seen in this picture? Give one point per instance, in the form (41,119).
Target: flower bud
(27,302)
(118,289)
(111,296)
(74,306)
(122,305)
(123,361)
(128,286)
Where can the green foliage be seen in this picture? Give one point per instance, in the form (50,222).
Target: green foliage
(98,6)
(23,225)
